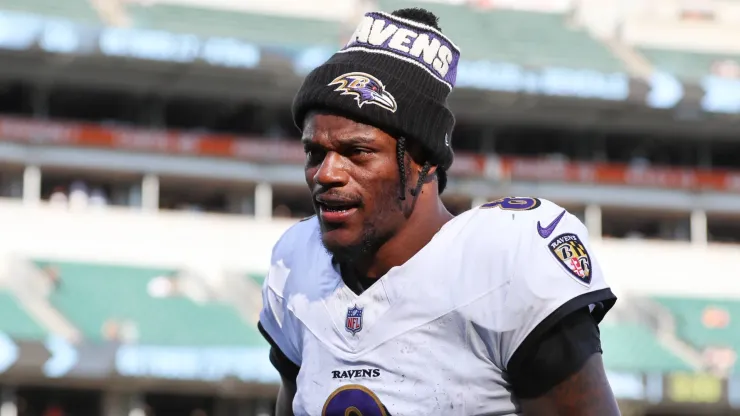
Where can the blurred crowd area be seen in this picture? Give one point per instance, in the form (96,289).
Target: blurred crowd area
(631,38)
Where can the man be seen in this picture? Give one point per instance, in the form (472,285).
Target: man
(383,303)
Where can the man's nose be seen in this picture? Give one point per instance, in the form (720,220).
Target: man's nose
(332,172)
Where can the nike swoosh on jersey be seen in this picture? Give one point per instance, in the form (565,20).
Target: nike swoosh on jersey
(546,231)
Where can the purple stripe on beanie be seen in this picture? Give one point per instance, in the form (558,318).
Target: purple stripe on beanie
(412,42)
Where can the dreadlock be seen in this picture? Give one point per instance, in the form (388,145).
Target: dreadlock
(422,177)
(401,159)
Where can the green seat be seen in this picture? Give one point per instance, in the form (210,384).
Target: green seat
(689,314)
(91,295)
(15,321)
(633,347)
(76,10)
(524,38)
(263,29)
(687,65)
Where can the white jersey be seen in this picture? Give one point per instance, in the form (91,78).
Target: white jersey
(433,336)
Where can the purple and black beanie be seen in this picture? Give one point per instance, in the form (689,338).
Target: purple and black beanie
(395,73)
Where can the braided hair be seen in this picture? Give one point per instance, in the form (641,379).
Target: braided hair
(401,159)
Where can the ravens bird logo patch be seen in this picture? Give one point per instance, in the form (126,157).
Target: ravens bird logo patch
(366,89)
(571,253)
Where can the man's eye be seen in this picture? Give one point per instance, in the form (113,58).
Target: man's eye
(313,156)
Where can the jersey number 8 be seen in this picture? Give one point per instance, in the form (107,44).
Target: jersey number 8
(353,400)
(514,204)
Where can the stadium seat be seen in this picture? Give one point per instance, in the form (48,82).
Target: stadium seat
(76,10)
(705,322)
(91,295)
(633,347)
(15,321)
(525,38)
(687,65)
(263,29)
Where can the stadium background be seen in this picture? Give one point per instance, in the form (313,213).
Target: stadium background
(148,163)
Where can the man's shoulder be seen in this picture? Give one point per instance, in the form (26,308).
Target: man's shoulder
(297,258)
(494,240)
(509,217)
(297,235)
(539,248)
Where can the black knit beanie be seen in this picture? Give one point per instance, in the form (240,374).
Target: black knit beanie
(396,74)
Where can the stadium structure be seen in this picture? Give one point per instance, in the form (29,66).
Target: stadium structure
(148,163)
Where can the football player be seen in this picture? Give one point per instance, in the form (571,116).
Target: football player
(384,303)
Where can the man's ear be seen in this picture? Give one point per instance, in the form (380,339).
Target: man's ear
(417,154)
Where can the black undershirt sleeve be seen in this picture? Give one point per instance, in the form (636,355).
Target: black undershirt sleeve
(549,358)
(288,369)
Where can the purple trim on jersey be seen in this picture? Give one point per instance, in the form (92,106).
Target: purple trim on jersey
(383,32)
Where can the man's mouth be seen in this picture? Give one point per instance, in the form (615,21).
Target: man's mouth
(335,210)
(336,206)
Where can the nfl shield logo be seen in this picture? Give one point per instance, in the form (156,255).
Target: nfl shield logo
(354,320)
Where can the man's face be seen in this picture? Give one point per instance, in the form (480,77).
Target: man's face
(352,172)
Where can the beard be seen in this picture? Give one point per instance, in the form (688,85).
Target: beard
(375,232)
(360,251)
